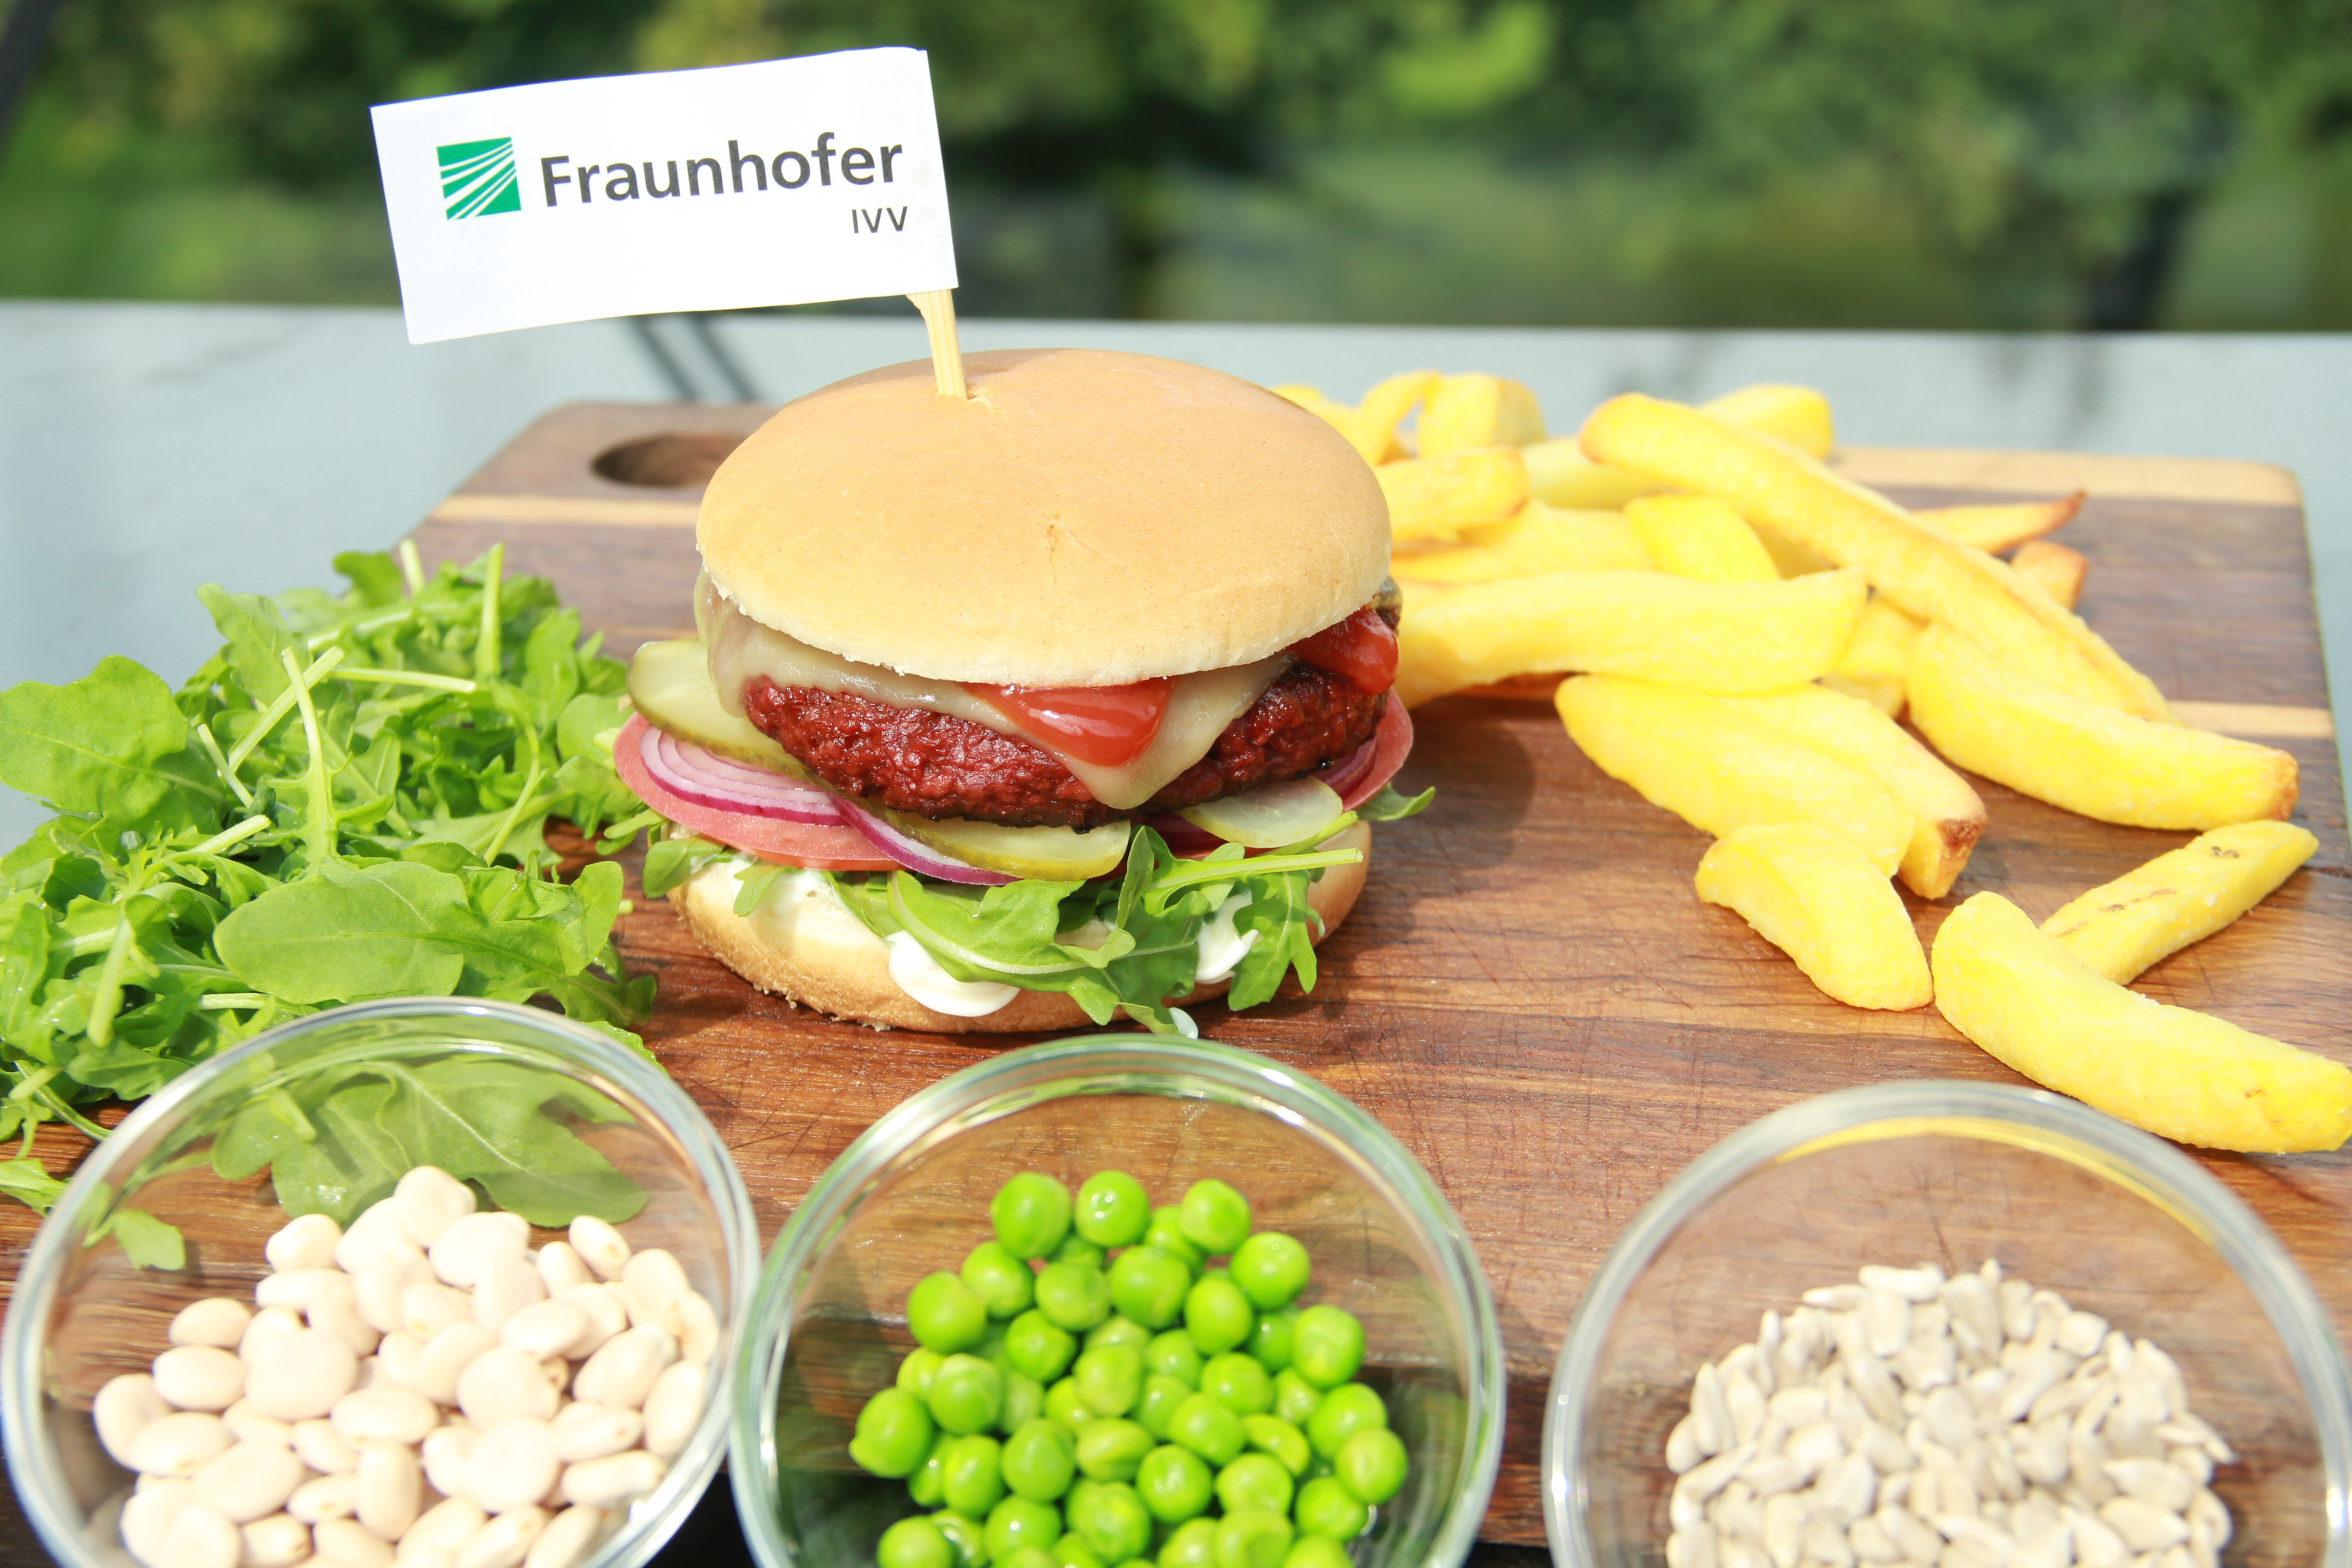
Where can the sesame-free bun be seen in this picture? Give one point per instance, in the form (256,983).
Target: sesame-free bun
(1084,519)
(804,946)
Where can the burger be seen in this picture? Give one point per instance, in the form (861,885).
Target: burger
(1016,711)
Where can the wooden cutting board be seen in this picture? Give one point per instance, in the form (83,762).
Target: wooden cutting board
(1529,996)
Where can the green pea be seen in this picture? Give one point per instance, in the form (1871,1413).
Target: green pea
(1216,1219)
(1032,1214)
(894,1434)
(1254,1480)
(1347,1410)
(914,1544)
(1113,1209)
(1173,1355)
(1039,1460)
(1239,1384)
(1110,1380)
(1208,1428)
(972,1474)
(1110,1451)
(967,1395)
(1372,1464)
(1117,1330)
(1027,1557)
(1072,1553)
(1076,1248)
(1254,1538)
(1326,1507)
(991,1348)
(1111,1518)
(1174,1483)
(1192,1544)
(1038,1347)
(1018,1521)
(1272,1337)
(1165,1234)
(1025,1401)
(1072,1294)
(1327,1348)
(1218,1316)
(945,1315)
(1294,1398)
(1274,1435)
(1001,1280)
(1317,1551)
(964,1535)
(1149,1285)
(916,1370)
(1161,1396)
(1064,1405)
(928,1482)
(1271,1269)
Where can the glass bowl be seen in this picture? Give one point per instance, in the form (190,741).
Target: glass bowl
(911,1196)
(84,1311)
(2121,1224)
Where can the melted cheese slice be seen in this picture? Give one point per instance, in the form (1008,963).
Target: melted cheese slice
(1199,709)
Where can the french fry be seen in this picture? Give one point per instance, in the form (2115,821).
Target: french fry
(1790,558)
(1876,664)
(1920,568)
(1437,498)
(1998,529)
(1369,442)
(1812,893)
(1541,539)
(1720,774)
(1561,475)
(1700,536)
(2018,992)
(1996,720)
(1796,415)
(1719,637)
(1950,816)
(2053,568)
(2186,896)
(1468,411)
(1386,404)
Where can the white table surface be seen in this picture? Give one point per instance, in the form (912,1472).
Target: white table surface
(147,448)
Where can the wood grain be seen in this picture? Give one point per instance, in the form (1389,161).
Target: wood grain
(1528,995)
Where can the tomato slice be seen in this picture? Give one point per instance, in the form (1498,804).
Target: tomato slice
(820,846)
(1363,647)
(1108,726)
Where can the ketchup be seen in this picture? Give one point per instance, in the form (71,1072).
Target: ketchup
(1108,726)
(1363,647)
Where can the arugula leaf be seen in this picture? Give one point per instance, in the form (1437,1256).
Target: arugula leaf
(97,746)
(348,934)
(1389,806)
(674,859)
(144,1239)
(24,1180)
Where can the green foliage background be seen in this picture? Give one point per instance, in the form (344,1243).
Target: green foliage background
(2011,163)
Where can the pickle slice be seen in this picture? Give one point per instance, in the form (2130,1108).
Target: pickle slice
(1269,817)
(1038,854)
(669,682)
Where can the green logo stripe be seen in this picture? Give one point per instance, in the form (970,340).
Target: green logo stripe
(478,177)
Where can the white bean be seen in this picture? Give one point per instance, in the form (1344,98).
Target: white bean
(391,1486)
(147,1516)
(249,1480)
(545,1328)
(324,1448)
(561,1267)
(673,1406)
(331,1314)
(600,1246)
(399,1354)
(464,1251)
(199,1378)
(607,1315)
(307,1242)
(429,1201)
(585,1431)
(293,1288)
(513,1466)
(379,1282)
(506,1287)
(178,1445)
(614,1482)
(503,1543)
(650,1281)
(202,1537)
(266,1326)
(505,1384)
(443,1527)
(349,1541)
(383,1415)
(697,1328)
(448,1354)
(279,1541)
(378,1227)
(558,1373)
(429,1308)
(247,1424)
(567,1539)
(124,1406)
(299,1374)
(217,1321)
(622,1371)
(446,1451)
(329,1496)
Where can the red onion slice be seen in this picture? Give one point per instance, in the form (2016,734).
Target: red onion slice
(919,858)
(694,775)
(1352,767)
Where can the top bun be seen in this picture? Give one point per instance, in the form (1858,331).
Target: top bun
(1085,518)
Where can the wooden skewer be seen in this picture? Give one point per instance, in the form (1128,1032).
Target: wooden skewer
(938,306)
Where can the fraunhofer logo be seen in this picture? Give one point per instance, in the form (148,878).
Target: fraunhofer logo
(478,177)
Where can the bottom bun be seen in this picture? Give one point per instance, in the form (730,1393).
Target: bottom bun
(804,945)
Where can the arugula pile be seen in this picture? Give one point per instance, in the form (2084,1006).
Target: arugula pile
(348,801)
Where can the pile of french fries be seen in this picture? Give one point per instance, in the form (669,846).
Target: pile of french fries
(1739,633)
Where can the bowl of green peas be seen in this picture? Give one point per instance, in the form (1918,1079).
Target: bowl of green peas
(1115,1301)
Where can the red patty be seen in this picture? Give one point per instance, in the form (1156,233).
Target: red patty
(935,764)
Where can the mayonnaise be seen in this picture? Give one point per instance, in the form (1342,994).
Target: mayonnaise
(1222,947)
(918,974)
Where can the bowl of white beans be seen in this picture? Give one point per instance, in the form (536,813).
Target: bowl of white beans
(447,1282)
(1961,1325)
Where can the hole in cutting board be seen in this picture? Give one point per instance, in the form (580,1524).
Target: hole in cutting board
(665,462)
